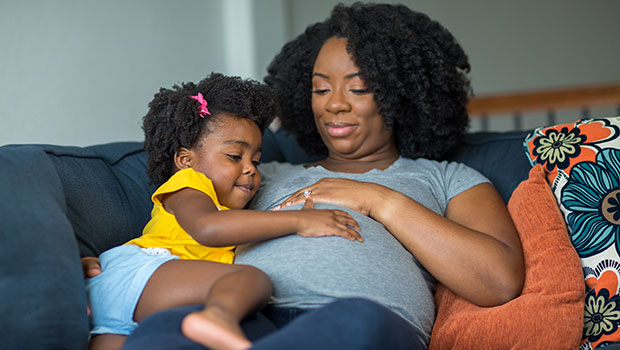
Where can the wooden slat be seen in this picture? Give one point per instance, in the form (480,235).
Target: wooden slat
(586,96)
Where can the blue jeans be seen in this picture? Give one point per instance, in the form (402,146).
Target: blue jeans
(352,323)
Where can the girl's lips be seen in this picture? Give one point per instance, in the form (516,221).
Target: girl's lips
(246,189)
(340,130)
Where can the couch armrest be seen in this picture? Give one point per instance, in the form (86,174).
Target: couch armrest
(39,257)
(59,203)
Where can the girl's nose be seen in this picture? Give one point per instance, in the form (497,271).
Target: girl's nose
(249,168)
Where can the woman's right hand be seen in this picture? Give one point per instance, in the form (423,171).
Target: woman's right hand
(327,222)
(90,266)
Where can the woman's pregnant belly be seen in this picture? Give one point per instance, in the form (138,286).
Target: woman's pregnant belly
(309,272)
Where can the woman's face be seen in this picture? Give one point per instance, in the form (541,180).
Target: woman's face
(345,112)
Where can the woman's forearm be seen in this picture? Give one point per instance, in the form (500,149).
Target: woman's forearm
(476,253)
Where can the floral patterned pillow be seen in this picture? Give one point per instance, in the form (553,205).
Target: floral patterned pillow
(582,165)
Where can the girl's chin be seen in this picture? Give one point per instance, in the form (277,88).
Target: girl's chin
(235,204)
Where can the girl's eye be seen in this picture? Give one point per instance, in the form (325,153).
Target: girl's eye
(256,163)
(360,91)
(234,157)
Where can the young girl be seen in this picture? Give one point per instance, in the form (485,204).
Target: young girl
(203,143)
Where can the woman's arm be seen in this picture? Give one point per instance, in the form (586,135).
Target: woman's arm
(198,216)
(474,250)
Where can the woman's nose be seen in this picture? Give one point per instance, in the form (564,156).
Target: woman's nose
(338,102)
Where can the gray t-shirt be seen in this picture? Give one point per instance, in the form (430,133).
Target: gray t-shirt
(308,272)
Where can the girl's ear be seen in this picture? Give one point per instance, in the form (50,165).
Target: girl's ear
(183,158)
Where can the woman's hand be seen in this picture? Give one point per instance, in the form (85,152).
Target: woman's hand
(323,222)
(352,194)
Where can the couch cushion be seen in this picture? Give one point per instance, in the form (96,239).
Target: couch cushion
(106,190)
(548,313)
(283,147)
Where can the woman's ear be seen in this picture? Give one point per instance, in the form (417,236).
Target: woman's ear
(183,158)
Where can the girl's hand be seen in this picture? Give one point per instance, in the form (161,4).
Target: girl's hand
(327,222)
(91,266)
(355,195)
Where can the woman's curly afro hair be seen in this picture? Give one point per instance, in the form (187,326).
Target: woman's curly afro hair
(173,120)
(413,65)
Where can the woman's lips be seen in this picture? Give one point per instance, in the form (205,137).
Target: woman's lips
(340,130)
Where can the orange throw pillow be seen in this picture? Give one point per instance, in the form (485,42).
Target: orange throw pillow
(549,312)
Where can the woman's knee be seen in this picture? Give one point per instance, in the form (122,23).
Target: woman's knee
(376,322)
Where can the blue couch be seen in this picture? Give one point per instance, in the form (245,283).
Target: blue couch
(60,203)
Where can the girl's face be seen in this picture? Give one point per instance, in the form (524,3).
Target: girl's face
(228,156)
(345,112)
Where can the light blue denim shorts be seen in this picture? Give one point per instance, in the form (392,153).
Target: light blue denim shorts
(113,295)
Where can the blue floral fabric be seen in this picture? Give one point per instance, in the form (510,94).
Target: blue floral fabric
(592,197)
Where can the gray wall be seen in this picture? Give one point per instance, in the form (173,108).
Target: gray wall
(81,72)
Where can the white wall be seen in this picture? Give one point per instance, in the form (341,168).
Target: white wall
(81,72)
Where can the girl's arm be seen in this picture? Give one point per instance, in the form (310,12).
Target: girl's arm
(474,250)
(198,216)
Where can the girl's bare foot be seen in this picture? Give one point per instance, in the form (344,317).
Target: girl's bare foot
(215,329)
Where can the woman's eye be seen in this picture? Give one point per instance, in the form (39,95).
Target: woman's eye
(320,91)
(360,91)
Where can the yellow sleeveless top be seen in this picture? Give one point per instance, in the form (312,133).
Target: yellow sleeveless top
(163,230)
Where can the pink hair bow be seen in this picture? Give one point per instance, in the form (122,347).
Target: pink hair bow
(203,104)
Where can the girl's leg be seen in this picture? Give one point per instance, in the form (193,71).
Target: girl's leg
(229,293)
(107,342)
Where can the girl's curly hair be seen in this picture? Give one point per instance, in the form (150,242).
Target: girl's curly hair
(413,65)
(173,120)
